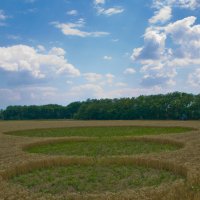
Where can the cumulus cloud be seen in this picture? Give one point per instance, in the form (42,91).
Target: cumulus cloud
(57,51)
(44,95)
(107,57)
(92,77)
(99,2)
(110,78)
(87,90)
(92,90)
(158,72)
(74,29)
(3,18)
(110,11)
(115,40)
(26,59)
(28,95)
(130,92)
(186,35)
(162,16)
(159,78)
(194,78)
(72,12)
(129,71)
(107,80)
(188,4)
(3,15)
(41,48)
(99,6)
(159,62)
(154,45)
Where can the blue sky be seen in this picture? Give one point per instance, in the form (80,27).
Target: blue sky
(59,51)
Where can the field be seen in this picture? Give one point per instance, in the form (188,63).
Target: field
(150,160)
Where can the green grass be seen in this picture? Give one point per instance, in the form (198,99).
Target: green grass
(101,147)
(196,187)
(101,131)
(92,179)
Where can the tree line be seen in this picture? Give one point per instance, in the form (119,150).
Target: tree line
(173,106)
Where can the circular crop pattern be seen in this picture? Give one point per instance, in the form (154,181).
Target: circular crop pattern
(94,178)
(88,174)
(100,131)
(101,147)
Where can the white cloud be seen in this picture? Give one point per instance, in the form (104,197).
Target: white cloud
(57,51)
(73,29)
(158,72)
(129,71)
(89,90)
(45,95)
(134,92)
(194,78)
(3,18)
(102,79)
(69,82)
(72,12)
(110,78)
(187,36)
(154,45)
(98,5)
(162,16)
(41,48)
(2,15)
(115,40)
(99,2)
(157,79)
(110,11)
(92,77)
(92,90)
(159,62)
(136,53)
(184,34)
(107,57)
(187,4)
(23,58)
(29,95)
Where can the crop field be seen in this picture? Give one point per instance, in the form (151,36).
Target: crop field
(130,160)
(100,147)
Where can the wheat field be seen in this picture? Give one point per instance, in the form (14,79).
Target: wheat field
(186,161)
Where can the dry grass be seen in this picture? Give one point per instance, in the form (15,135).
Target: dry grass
(186,161)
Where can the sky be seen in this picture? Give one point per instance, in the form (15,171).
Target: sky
(60,51)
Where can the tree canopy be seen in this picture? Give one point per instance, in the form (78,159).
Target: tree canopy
(174,106)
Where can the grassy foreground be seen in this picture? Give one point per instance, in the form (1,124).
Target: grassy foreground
(101,148)
(92,179)
(16,163)
(100,131)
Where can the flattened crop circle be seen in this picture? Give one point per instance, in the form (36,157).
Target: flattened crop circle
(85,176)
(100,131)
(102,147)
